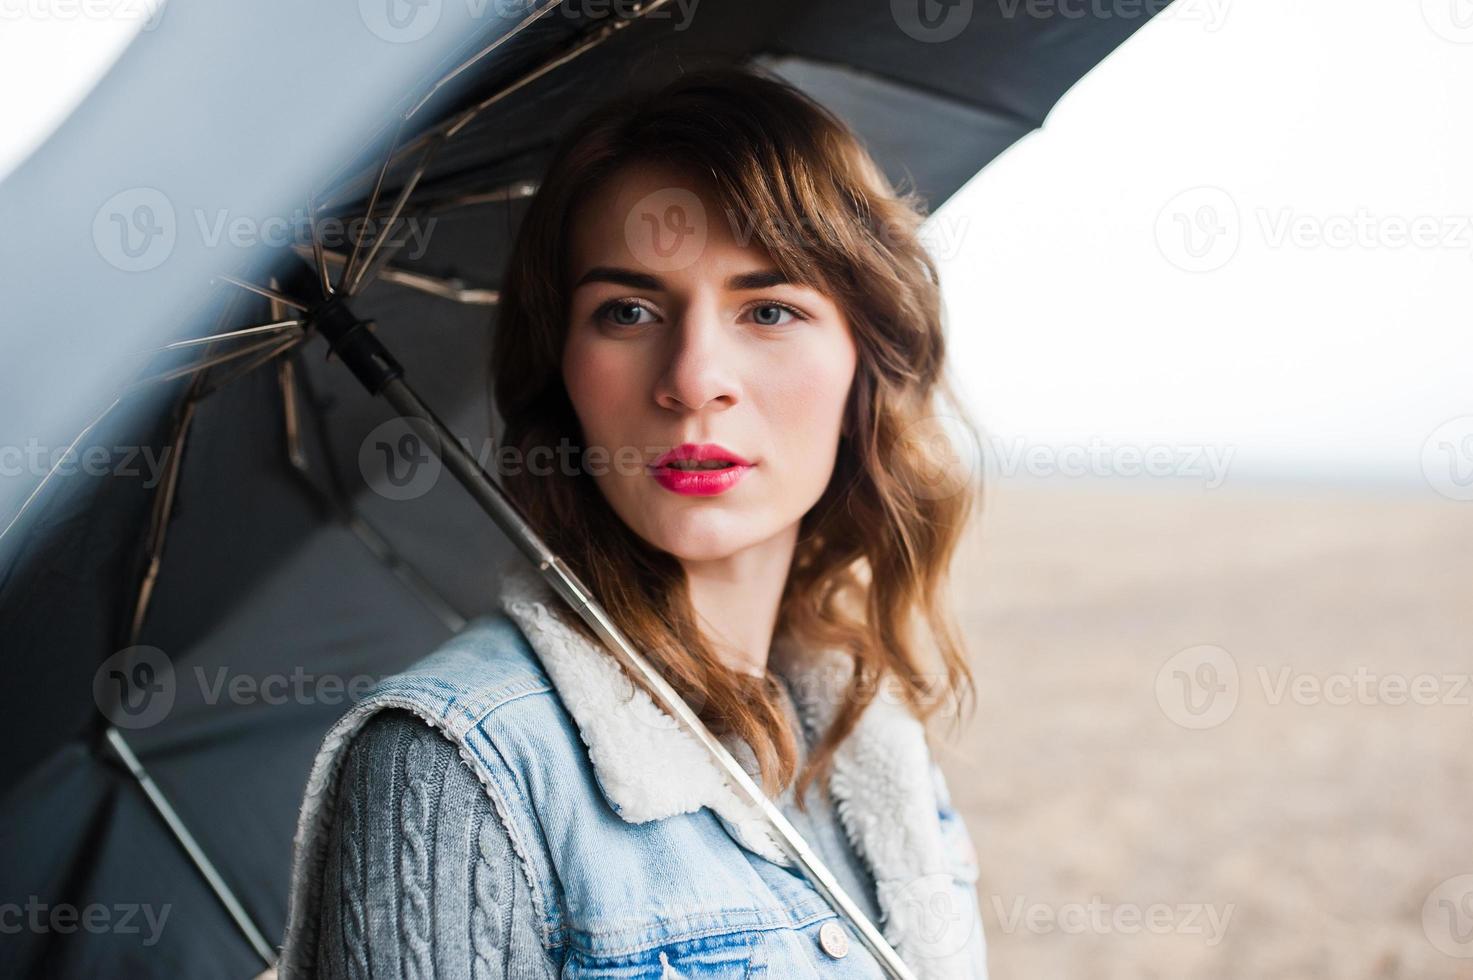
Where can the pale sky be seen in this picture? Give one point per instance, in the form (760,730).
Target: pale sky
(1316,137)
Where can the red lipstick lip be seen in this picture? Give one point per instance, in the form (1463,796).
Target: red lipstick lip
(699,483)
(700,453)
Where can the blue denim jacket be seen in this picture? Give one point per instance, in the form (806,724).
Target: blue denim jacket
(639,859)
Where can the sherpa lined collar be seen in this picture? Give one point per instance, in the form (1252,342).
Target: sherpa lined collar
(648,768)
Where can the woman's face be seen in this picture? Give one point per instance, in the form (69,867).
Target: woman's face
(682,332)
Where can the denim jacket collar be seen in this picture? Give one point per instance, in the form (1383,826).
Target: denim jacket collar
(648,768)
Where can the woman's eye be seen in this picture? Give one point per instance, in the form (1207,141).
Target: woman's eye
(625,313)
(771,314)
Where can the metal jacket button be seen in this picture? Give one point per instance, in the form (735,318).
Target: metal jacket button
(834,940)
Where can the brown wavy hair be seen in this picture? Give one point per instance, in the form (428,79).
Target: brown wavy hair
(873,553)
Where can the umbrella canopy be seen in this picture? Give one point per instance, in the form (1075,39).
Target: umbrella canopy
(185,614)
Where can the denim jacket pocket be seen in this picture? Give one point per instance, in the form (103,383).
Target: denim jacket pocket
(731,956)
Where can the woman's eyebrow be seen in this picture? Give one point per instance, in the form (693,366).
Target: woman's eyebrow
(761,279)
(620,277)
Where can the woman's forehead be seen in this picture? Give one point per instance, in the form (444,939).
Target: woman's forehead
(663,228)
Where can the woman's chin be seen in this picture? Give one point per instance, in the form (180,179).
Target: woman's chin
(704,537)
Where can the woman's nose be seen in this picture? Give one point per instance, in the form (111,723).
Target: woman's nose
(700,370)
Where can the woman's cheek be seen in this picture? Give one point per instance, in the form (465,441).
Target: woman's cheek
(594,382)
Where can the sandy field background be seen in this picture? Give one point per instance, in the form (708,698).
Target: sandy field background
(1311,821)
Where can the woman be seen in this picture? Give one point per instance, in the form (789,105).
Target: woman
(719,344)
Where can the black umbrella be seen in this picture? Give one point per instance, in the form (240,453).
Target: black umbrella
(182,633)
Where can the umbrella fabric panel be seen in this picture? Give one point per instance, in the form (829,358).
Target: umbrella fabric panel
(97,891)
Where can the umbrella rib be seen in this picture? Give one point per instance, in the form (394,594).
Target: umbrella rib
(30,498)
(375,269)
(264,291)
(191,847)
(399,203)
(227,335)
(452,289)
(251,365)
(208,362)
(378,186)
(511,192)
(323,279)
(158,526)
(369,271)
(379,546)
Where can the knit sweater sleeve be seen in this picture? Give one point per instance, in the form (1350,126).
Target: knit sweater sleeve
(421,879)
